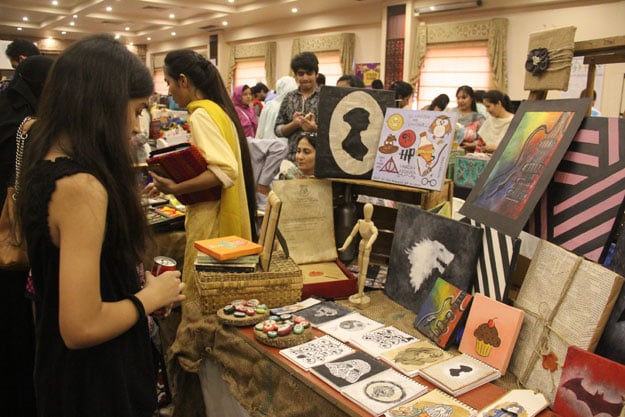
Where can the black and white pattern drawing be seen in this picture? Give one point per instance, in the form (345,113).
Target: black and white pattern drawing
(381,340)
(348,369)
(349,326)
(316,352)
(496,262)
(324,312)
(383,391)
(427,246)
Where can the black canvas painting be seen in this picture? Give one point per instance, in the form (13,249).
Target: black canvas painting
(349,126)
(427,246)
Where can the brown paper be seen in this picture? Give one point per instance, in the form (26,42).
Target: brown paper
(560,43)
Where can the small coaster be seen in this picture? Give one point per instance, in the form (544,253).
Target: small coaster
(284,341)
(230,320)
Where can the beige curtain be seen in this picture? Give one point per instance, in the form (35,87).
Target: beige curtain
(494,31)
(344,43)
(266,50)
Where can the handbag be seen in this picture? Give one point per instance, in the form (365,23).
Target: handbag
(13,253)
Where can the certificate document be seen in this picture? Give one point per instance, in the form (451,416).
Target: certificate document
(307,219)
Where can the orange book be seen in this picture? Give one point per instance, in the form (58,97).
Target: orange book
(228,247)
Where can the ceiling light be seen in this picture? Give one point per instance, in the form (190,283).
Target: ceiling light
(446,7)
(63,33)
(173,34)
(172,16)
(75,16)
(72,23)
(117,36)
(149,38)
(294,10)
(55,3)
(19,28)
(230,1)
(25,18)
(224,23)
(109,9)
(131,43)
(127,28)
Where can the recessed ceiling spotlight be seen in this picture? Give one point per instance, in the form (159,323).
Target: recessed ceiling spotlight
(117,36)
(149,38)
(294,10)
(19,28)
(55,3)
(109,9)
(172,16)
(63,33)
(127,28)
(25,18)
(224,23)
(75,16)
(173,34)
(230,1)
(131,43)
(72,23)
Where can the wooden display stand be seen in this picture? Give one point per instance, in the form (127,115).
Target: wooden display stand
(384,217)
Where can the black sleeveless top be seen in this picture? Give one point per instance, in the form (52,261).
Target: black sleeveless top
(113,379)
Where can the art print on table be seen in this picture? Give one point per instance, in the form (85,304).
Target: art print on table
(316,352)
(409,359)
(348,370)
(324,312)
(350,121)
(583,201)
(383,391)
(414,148)
(524,163)
(380,340)
(349,326)
(425,247)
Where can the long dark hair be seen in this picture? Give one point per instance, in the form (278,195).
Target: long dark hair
(469,92)
(206,78)
(85,100)
(496,96)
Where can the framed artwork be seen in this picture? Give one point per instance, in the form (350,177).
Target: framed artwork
(350,122)
(414,148)
(426,247)
(580,208)
(524,163)
(268,229)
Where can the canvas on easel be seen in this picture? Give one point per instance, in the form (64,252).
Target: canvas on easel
(524,163)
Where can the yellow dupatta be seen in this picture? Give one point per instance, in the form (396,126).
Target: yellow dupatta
(233,214)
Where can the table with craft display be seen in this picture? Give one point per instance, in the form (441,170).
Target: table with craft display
(265,383)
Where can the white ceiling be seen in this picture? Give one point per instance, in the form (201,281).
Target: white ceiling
(136,20)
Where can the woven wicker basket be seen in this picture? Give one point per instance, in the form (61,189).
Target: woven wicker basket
(280,286)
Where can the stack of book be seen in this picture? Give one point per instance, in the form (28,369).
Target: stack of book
(230,254)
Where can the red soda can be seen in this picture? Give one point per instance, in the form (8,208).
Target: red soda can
(163,264)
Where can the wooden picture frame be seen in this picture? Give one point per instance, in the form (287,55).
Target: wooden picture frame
(508,190)
(268,229)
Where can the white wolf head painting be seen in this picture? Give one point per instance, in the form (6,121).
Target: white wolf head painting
(425,256)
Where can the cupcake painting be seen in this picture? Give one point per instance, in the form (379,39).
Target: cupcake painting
(491,331)
(486,338)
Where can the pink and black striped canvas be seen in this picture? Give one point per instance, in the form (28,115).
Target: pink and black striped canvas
(580,208)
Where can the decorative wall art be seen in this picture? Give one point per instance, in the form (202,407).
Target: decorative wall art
(367,72)
(414,148)
(350,122)
(425,247)
(570,308)
(549,58)
(524,163)
(590,385)
(496,262)
(583,201)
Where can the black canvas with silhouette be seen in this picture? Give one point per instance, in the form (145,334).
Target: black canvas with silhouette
(349,126)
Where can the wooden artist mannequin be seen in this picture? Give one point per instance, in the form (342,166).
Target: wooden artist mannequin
(368,235)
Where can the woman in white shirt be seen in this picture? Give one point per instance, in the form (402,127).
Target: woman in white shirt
(495,127)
